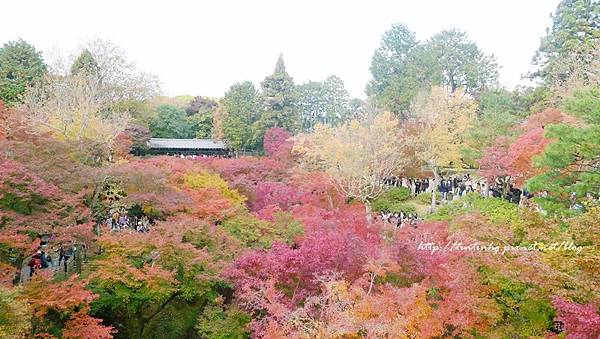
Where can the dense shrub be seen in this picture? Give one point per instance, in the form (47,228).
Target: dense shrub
(524,312)
(498,211)
(253,232)
(212,181)
(552,207)
(219,323)
(425,197)
(581,321)
(393,201)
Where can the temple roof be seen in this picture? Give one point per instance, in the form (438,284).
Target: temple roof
(160,143)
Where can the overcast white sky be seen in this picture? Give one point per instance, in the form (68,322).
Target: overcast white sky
(202,47)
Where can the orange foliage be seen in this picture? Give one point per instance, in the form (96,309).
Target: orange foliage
(548,117)
(81,325)
(3,114)
(69,298)
(7,274)
(66,296)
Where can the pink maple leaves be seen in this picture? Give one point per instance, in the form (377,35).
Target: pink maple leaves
(277,143)
(580,321)
(16,179)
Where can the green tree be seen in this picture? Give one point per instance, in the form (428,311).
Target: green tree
(356,109)
(14,320)
(85,63)
(171,122)
(529,100)
(498,113)
(324,102)
(402,67)
(311,103)
(496,101)
(279,102)
(572,160)
(483,132)
(461,64)
(585,104)
(200,116)
(241,105)
(219,323)
(336,100)
(201,124)
(21,65)
(397,67)
(390,58)
(571,43)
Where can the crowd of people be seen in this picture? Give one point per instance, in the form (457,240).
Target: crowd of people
(400,219)
(43,260)
(451,188)
(454,187)
(66,252)
(118,220)
(39,261)
(195,156)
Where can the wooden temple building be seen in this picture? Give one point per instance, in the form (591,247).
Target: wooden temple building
(187,147)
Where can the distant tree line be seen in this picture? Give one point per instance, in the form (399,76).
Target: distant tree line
(119,98)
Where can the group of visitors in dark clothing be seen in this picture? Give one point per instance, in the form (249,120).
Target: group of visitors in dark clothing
(42,259)
(118,220)
(453,187)
(194,156)
(416,185)
(400,219)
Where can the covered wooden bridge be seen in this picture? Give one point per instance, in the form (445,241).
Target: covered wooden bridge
(187,147)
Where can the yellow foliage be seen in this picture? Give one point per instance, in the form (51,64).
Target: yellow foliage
(74,108)
(357,155)
(445,118)
(574,268)
(219,117)
(14,314)
(202,180)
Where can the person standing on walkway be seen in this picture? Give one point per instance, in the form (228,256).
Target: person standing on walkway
(35,263)
(44,259)
(68,253)
(61,253)
(49,260)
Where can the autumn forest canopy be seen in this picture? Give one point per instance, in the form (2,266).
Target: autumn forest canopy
(441,206)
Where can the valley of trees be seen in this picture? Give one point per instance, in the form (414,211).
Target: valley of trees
(98,239)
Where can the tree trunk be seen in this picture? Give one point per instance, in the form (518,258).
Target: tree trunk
(369,212)
(329,200)
(505,187)
(141,326)
(372,275)
(436,181)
